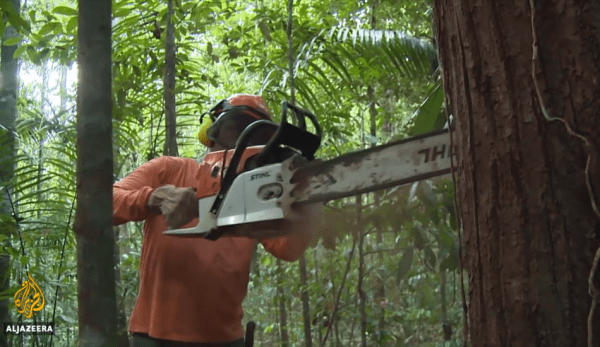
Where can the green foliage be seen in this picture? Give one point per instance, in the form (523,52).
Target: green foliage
(227,47)
(10,15)
(430,115)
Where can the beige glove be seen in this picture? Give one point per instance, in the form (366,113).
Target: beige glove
(178,205)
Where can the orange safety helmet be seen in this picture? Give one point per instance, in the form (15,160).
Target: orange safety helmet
(238,109)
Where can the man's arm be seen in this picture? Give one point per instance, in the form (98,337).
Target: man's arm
(292,246)
(147,191)
(132,193)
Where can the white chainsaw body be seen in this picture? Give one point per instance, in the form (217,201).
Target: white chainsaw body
(258,195)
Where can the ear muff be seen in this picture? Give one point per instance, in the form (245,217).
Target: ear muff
(204,125)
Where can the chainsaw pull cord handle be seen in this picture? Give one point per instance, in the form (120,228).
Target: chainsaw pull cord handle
(240,147)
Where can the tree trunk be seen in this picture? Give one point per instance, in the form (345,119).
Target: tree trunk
(44,98)
(283,330)
(526,209)
(302,264)
(93,219)
(361,273)
(446,328)
(316,269)
(8,116)
(63,90)
(169,85)
(379,283)
(305,302)
(122,331)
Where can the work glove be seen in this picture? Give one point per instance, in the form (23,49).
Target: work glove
(178,205)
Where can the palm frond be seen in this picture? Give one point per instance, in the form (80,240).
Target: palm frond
(412,57)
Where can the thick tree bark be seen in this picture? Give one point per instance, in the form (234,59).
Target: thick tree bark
(93,219)
(527,212)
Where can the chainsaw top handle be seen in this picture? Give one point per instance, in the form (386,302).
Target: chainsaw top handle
(294,137)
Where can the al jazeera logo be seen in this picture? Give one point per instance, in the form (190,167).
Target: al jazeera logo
(29,300)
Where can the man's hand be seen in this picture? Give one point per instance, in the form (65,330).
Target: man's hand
(178,205)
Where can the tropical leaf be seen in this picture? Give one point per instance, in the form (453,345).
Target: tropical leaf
(412,57)
(405,264)
(430,115)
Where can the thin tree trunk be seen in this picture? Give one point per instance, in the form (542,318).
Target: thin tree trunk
(284,337)
(261,339)
(302,263)
(446,328)
(44,88)
(316,267)
(169,85)
(123,335)
(43,98)
(93,220)
(8,115)
(336,324)
(291,51)
(305,302)
(63,89)
(336,298)
(522,84)
(122,331)
(351,337)
(255,264)
(361,274)
(380,294)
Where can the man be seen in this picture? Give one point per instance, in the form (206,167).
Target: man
(191,289)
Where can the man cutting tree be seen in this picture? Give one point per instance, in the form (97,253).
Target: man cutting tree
(191,289)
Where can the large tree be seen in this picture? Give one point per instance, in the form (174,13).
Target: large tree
(521,78)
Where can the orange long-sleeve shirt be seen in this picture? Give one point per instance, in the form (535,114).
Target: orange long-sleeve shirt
(191,289)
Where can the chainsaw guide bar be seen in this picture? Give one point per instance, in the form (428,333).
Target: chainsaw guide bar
(393,164)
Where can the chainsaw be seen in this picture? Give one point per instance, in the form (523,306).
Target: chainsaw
(258,184)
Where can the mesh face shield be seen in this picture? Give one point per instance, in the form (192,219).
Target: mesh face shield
(232,121)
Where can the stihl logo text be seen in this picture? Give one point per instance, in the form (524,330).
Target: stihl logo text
(259,175)
(436,152)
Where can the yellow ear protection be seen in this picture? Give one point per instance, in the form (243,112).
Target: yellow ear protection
(205,123)
(207,135)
